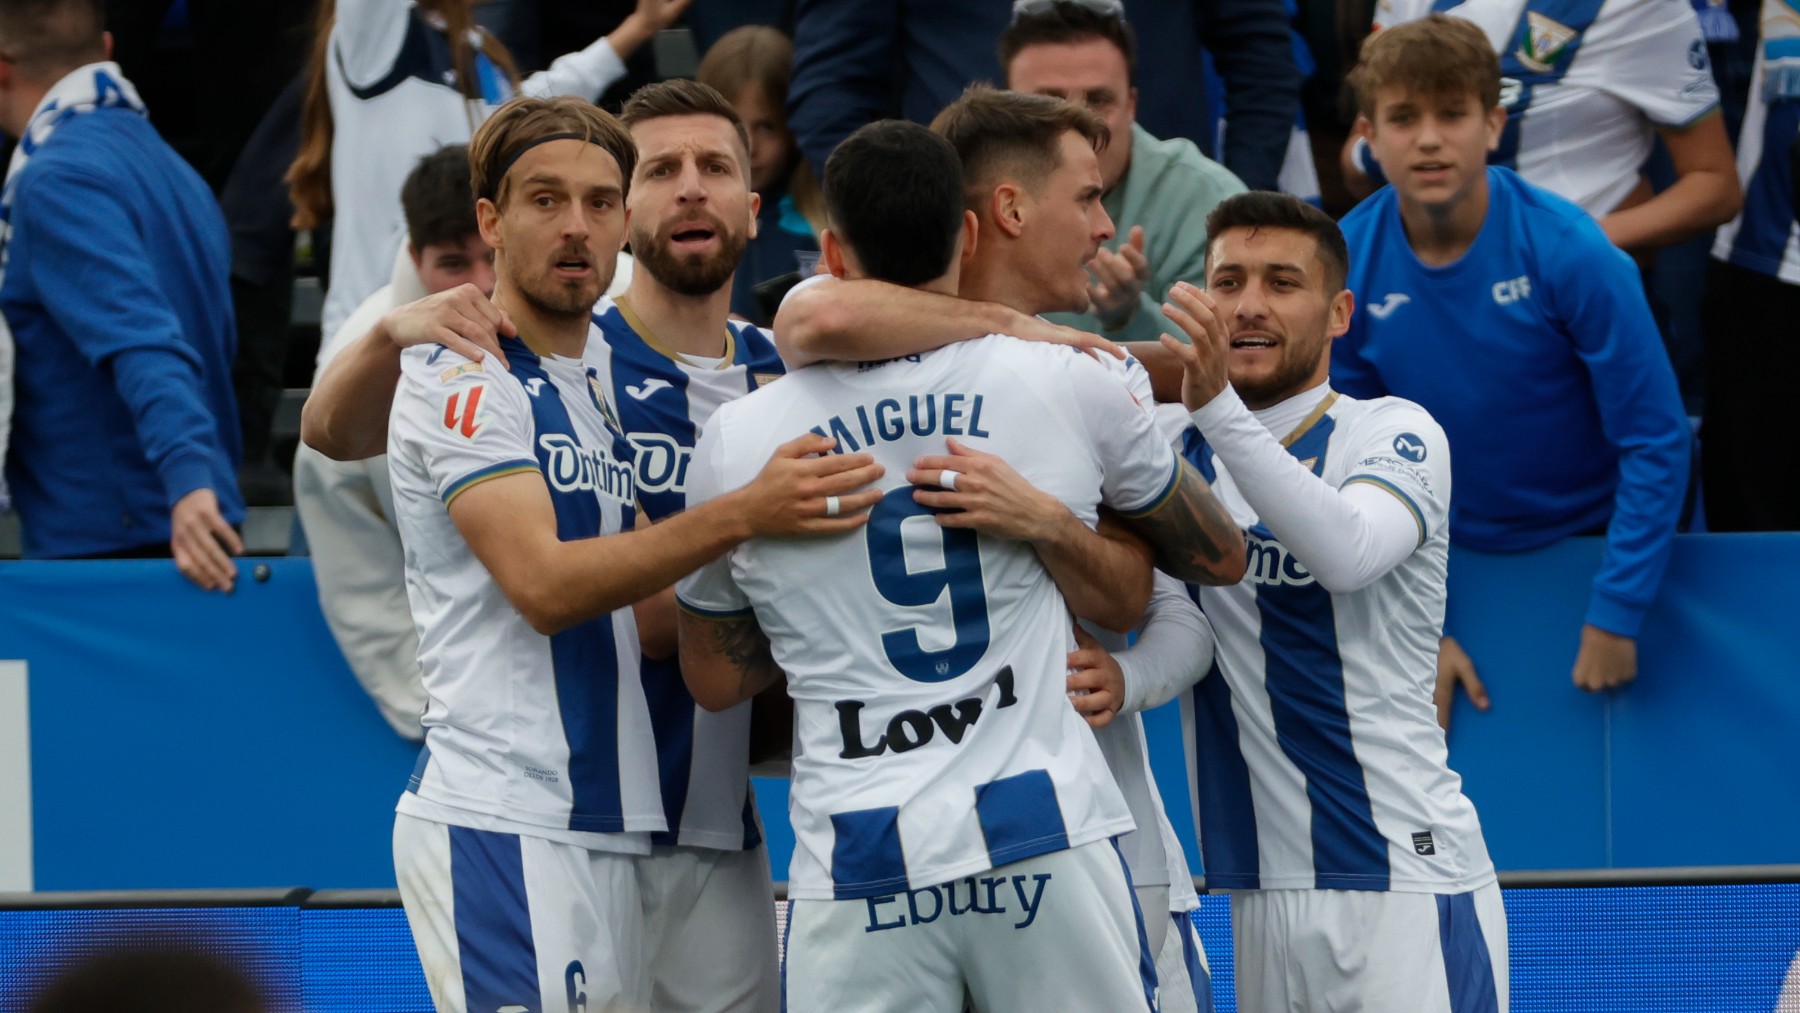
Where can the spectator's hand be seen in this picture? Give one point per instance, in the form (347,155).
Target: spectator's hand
(1119,278)
(988,495)
(660,14)
(461,319)
(1454,668)
(1031,328)
(1204,362)
(202,542)
(1605,661)
(791,495)
(1096,683)
(650,17)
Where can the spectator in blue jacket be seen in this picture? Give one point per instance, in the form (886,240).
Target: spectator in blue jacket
(116,288)
(856,61)
(1506,312)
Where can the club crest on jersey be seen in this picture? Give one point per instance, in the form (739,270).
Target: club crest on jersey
(602,403)
(1543,41)
(462,411)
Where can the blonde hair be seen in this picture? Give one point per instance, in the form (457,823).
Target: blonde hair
(526,121)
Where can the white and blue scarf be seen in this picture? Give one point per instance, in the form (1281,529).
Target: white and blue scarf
(95,86)
(1781,50)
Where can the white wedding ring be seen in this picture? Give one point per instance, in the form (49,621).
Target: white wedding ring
(947,480)
(831,506)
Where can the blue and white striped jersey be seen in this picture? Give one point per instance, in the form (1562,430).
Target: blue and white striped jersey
(546,736)
(1314,748)
(928,664)
(663,399)
(1583,83)
(1764,237)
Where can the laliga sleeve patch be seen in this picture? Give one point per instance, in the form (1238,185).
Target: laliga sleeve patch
(463,412)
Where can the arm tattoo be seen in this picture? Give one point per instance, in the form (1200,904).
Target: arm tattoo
(743,643)
(1194,538)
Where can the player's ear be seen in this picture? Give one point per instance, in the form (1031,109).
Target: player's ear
(487,220)
(755,210)
(1496,123)
(971,229)
(831,251)
(1006,205)
(1337,319)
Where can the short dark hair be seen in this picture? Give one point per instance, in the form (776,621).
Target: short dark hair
(527,121)
(1264,209)
(160,979)
(439,200)
(1437,56)
(1000,133)
(682,97)
(894,195)
(47,38)
(1062,23)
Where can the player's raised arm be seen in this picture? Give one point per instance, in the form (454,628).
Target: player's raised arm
(511,524)
(346,415)
(1345,537)
(833,319)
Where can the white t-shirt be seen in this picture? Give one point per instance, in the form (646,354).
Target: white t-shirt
(1583,83)
(391,83)
(546,736)
(1316,755)
(928,664)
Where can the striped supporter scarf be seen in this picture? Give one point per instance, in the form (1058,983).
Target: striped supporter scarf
(1781,50)
(95,86)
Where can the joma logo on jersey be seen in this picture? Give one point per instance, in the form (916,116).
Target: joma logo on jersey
(462,411)
(910,729)
(662,463)
(1271,563)
(1513,290)
(573,468)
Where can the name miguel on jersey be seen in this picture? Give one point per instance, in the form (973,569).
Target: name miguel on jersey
(888,420)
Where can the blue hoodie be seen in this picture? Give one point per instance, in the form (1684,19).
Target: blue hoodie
(1537,353)
(117,291)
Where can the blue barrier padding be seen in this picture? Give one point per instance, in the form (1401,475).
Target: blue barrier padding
(186,740)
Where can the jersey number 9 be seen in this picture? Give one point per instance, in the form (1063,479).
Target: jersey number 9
(960,576)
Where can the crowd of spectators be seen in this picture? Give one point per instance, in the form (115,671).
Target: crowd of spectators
(148,334)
